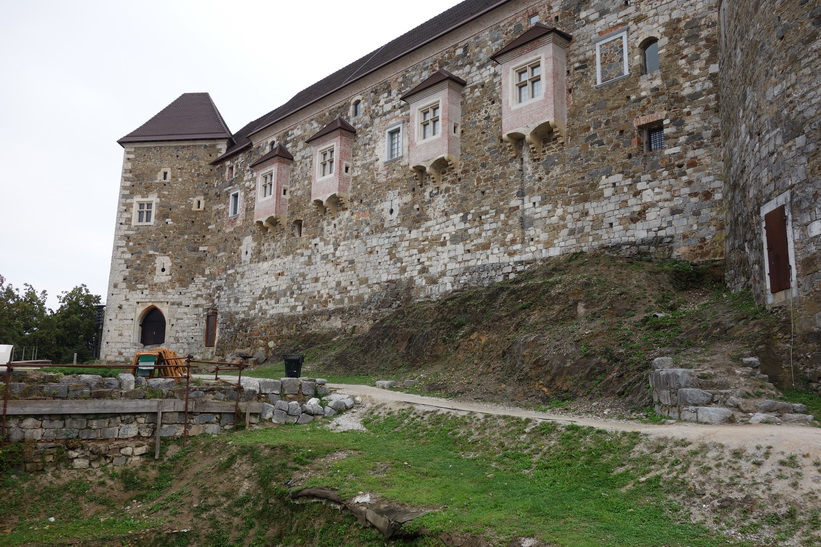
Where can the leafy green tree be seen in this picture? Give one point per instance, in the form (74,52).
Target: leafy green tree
(21,314)
(25,321)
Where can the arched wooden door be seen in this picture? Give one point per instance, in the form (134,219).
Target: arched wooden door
(152,329)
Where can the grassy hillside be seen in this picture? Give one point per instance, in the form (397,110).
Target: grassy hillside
(578,328)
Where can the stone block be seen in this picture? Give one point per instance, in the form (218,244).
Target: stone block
(250,383)
(267,411)
(273,398)
(294,408)
(665,397)
(305,419)
(119,460)
(688,414)
(313,409)
(227,419)
(66,433)
(673,378)
(79,393)
(770,406)
(212,429)
(89,434)
(322,390)
(290,386)
(385,384)
(291,419)
(16,434)
(33,434)
(60,391)
(321,381)
(91,380)
(281,405)
(661,363)
(161,383)
(751,362)
(714,415)
(205,419)
(127,450)
(111,383)
(127,381)
(172,430)
(308,388)
(109,432)
(127,431)
(761,417)
(329,412)
(249,394)
(77,423)
(134,394)
(97,423)
(196,394)
(338,405)
(31,423)
(279,416)
(268,386)
(145,430)
(689,396)
(140,449)
(798,408)
(797,418)
(172,417)
(80,463)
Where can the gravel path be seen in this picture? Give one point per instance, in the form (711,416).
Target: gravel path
(786,438)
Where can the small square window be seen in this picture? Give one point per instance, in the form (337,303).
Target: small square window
(144,212)
(233,204)
(394,143)
(533,19)
(326,162)
(655,138)
(429,121)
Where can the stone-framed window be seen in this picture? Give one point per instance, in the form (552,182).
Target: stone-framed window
(533,19)
(325,162)
(296,227)
(650,56)
(233,203)
(266,185)
(229,172)
(611,57)
(356,108)
(528,81)
(393,143)
(429,122)
(144,212)
(650,131)
(198,203)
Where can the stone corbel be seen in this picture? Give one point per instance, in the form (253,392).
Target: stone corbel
(436,167)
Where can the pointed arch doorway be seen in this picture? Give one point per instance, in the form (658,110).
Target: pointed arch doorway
(152,328)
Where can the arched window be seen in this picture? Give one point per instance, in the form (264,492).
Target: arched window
(152,329)
(650,55)
(356,108)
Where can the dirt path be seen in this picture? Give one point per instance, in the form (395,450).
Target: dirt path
(786,438)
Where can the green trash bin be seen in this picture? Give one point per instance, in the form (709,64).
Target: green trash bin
(145,365)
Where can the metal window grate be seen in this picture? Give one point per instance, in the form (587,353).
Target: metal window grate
(655,138)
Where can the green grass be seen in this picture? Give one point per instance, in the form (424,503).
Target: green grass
(565,485)
(808,398)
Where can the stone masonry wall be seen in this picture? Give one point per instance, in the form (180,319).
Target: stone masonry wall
(402,238)
(771,122)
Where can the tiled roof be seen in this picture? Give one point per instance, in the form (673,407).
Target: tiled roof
(277,151)
(426,32)
(439,76)
(338,123)
(191,116)
(536,31)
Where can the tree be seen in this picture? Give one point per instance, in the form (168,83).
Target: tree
(21,315)
(25,321)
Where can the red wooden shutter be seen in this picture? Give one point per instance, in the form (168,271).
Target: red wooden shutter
(778,255)
(211,329)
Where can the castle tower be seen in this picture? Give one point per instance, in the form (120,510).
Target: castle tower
(158,294)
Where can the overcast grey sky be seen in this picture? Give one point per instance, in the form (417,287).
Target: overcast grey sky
(78,75)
